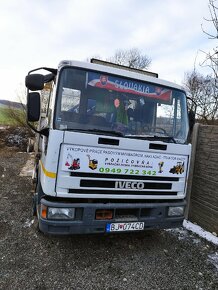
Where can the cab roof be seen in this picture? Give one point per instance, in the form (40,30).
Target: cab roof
(118,71)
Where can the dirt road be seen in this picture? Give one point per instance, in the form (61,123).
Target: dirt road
(151,260)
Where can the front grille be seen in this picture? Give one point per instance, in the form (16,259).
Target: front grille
(113,184)
(118,185)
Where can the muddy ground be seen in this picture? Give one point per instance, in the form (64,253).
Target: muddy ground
(173,259)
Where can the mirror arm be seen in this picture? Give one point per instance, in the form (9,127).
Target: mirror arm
(44,132)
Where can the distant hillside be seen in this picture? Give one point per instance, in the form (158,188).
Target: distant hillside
(5,103)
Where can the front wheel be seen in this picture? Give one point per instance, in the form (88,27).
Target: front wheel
(34,205)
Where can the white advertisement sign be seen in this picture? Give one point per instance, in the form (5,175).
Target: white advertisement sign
(125,162)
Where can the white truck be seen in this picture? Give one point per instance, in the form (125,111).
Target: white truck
(112,153)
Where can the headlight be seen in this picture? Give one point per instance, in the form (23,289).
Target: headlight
(176,211)
(58,213)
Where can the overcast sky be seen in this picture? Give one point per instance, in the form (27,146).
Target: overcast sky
(38,33)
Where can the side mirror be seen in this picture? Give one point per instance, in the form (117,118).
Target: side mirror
(191,116)
(34,82)
(33,107)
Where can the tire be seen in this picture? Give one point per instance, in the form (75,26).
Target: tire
(37,197)
(36,200)
(34,204)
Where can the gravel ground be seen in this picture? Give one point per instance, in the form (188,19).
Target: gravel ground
(172,259)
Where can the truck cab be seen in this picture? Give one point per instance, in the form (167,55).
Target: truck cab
(112,153)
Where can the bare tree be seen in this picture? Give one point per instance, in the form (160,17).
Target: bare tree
(211,58)
(203,90)
(203,96)
(213,19)
(131,57)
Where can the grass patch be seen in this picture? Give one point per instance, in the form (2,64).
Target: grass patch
(7,119)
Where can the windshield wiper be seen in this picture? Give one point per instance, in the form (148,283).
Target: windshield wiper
(100,131)
(110,132)
(150,137)
(170,138)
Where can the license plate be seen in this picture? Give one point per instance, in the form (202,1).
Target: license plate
(122,227)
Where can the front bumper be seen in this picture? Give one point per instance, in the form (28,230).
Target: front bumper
(154,215)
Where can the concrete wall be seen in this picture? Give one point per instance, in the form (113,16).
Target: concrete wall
(203,208)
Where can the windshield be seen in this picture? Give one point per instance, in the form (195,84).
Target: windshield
(100,102)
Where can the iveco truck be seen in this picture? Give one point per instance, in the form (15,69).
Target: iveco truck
(111,150)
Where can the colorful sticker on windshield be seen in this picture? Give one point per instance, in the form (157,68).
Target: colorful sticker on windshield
(129,86)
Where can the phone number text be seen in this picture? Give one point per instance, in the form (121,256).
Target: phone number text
(127,171)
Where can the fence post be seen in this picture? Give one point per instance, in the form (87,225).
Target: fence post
(191,168)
